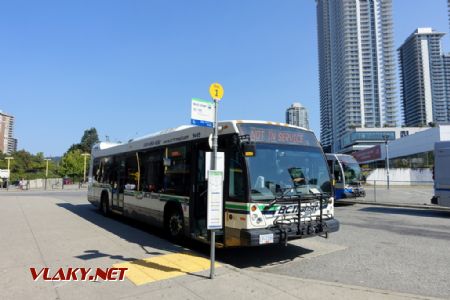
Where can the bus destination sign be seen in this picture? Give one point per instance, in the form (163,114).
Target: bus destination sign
(278,135)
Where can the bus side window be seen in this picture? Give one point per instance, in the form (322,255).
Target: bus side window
(337,172)
(330,165)
(96,170)
(152,170)
(177,171)
(107,169)
(132,176)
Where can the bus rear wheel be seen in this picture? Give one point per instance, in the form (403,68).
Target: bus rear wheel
(104,207)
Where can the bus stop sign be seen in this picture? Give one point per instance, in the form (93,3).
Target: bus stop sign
(202,112)
(216,91)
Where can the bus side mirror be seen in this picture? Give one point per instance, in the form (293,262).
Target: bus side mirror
(249,149)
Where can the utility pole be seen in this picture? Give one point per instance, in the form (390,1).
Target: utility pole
(387,158)
(8,158)
(84,172)
(46,171)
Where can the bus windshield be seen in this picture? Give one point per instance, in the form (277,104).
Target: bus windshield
(279,169)
(352,172)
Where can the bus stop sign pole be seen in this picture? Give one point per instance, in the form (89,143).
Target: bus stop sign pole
(216,92)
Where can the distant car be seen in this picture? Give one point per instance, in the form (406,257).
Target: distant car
(67,180)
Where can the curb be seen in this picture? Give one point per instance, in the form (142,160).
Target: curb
(390,204)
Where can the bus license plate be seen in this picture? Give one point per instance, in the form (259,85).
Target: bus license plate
(266,239)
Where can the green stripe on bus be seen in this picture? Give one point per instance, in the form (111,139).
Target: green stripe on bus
(272,208)
(247,208)
(236,206)
(181,199)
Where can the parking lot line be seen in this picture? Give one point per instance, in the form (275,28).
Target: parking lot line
(161,267)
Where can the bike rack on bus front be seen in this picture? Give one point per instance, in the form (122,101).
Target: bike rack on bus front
(283,223)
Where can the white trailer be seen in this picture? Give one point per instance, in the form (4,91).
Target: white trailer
(441,174)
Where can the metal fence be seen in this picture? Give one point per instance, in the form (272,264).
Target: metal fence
(399,192)
(42,184)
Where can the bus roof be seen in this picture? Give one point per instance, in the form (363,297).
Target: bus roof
(342,157)
(176,135)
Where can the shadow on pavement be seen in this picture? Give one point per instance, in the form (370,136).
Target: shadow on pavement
(151,237)
(93,254)
(89,213)
(263,256)
(408,211)
(340,204)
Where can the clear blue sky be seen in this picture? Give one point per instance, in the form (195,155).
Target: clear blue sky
(130,68)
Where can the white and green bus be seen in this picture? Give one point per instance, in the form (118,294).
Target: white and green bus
(276,184)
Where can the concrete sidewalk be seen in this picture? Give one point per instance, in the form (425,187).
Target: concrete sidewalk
(60,230)
(231,283)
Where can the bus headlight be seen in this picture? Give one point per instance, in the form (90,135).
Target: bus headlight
(256,216)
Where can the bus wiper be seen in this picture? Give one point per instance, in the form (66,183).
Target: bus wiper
(283,196)
(271,203)
(276,198)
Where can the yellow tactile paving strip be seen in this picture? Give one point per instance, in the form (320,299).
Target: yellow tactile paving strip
(161,267)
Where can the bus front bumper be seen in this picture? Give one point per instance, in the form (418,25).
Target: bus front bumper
(276,235)
(354,192)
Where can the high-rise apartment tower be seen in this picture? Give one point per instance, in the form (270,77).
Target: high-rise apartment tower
(422,78)
(356,67)
(297,115)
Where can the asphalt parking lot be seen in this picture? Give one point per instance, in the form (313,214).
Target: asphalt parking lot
(385,251)
(398,194)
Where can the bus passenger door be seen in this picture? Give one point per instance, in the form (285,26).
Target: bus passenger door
(339,180)
(119,184)
(199,190)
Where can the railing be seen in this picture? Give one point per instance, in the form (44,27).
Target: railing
(42,184)
(398,192)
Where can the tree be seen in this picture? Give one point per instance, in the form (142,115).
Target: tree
(28,166)
(72,164)
(89,138)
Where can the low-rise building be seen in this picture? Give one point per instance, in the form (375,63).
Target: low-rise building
(363,138)
(412,151)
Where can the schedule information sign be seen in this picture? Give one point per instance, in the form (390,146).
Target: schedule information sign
(215,199)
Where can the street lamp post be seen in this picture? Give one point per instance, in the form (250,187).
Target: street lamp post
(46,171)
(8,158)
(84,172)
(387,158)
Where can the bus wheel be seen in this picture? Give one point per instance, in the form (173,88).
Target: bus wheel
(174,224)
(104,205)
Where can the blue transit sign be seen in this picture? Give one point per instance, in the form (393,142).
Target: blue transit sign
(202,112)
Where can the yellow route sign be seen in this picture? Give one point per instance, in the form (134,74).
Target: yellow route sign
(216,91)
